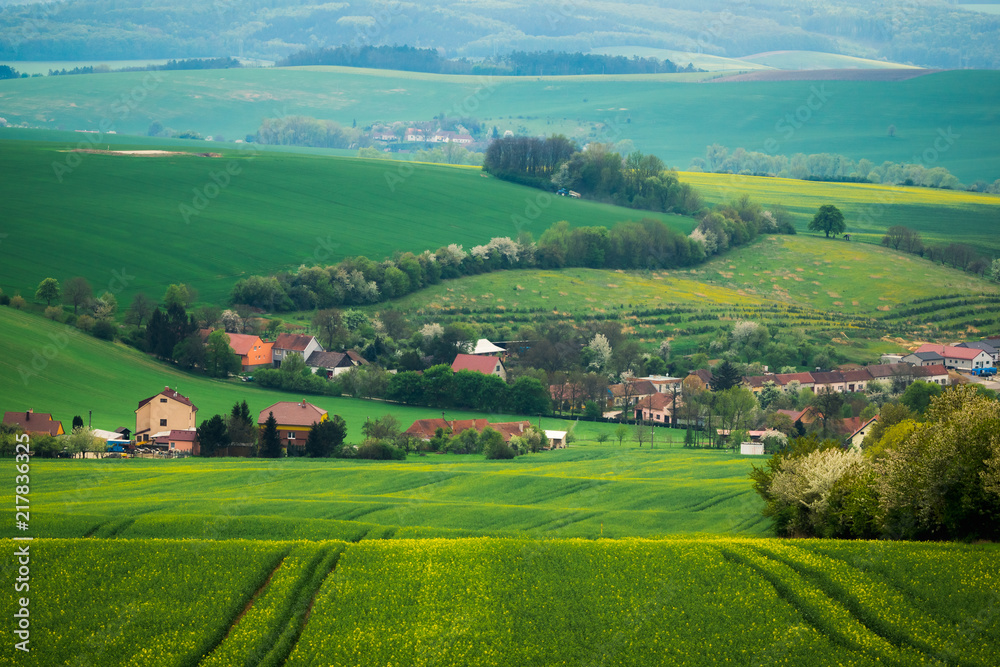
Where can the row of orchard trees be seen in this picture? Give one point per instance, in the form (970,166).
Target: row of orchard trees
(929,476)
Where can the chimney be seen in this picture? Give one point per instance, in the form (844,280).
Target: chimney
(303,403)
(27,415)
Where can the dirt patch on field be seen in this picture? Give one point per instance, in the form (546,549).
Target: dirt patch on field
(827,75)
(150,153)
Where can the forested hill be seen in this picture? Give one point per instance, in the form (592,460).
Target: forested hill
(931,34)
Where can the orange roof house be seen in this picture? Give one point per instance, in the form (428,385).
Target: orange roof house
(253,352)
(295,420)
(31,422)
(424,429)
(480,364)
(162,413)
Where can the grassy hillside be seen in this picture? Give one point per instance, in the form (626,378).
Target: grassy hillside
(852,294)
(121,214)
(53,368)
(941,216)
(663,114)
(503,602)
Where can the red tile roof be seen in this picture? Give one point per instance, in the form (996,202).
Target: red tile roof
(169,393)
(33,422)
(293,413)
(426,428)
(948,352)
(659,402)
(294,342)
(242,344)
(472,362)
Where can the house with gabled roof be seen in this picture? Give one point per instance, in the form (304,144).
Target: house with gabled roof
(162,413)
(335,363)
(33,423)
(295,420)
(987,347)
(484,364)
(928,358)
(660,408)
(424,429)
(253,352)
(857,436)
(302,344)
(959,358)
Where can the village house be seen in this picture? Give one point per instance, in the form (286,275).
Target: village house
(162,413)
(858,434)
(425,429)
(295,420)
(659,408)
(301,344)
(179,441)
(253,352)
(627,394)
(988,346)
(334,363)
(33,423)
(486,365)
(414,134)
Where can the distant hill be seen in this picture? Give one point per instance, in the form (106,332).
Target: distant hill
(926,34)
(668,115)
(815,60)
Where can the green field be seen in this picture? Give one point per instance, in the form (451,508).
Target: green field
(120,215)
(849,294)
(671,116)
(506,602)
(941,216)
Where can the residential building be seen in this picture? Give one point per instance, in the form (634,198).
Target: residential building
(986,347)
(659,408)
(929,358)
(301,344)
(663,383)
(295,420)
(334,363)
(413,134)
(485,347)
(162,413)
(627,394)
(858,435)
(480,364)
(253,352)
(425,429)
(179,441)
(33,423)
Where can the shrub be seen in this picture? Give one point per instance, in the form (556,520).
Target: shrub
(104,330)
(380,451)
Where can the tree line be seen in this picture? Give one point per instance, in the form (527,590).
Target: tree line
(961,256)
(831,167)
(517,63)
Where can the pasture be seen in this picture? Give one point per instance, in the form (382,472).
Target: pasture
(692,601)
(672,116)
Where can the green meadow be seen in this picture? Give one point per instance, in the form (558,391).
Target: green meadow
(672,116)
(941,216)
(131,223)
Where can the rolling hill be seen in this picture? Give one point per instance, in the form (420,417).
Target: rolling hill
(154,219)
(668,115)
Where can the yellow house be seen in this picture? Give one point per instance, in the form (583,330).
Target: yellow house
(162,413)
(295,420)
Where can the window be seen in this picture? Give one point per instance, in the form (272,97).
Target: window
(291,435)
(163,400)
(163,422)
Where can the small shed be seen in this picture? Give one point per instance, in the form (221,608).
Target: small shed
(557,439)
(751,448)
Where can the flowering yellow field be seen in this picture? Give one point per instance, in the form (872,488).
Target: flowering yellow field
(485,601)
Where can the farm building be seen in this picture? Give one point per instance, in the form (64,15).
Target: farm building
(424,429)
(334,363)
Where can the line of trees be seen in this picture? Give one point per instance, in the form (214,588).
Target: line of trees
(517,63)
(958,255)
(307,131)
(830,167)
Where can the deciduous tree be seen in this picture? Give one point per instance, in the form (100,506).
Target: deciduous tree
(48,291)
(828,220)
